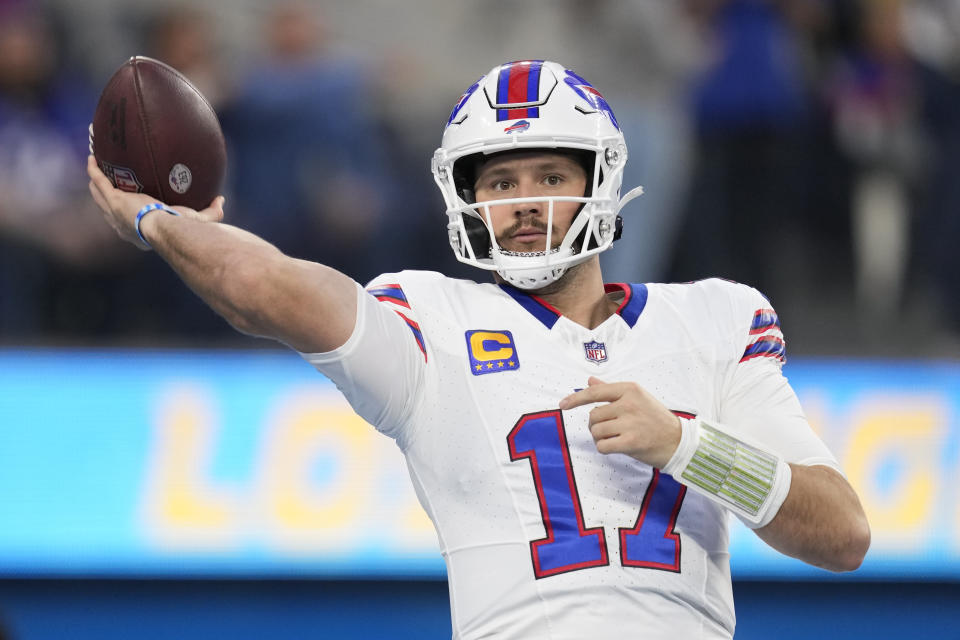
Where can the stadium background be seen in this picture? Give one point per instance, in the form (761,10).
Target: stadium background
(164,477)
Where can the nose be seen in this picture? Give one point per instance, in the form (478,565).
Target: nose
(527,209)
(526,190)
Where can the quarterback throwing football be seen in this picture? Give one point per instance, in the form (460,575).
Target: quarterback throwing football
(578,445)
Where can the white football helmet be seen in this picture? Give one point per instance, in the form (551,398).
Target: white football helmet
(532,104)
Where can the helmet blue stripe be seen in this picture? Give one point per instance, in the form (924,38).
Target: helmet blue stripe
(533,81)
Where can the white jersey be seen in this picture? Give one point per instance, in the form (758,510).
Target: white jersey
(543,536)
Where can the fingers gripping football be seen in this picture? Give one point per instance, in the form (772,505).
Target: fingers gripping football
(120,207)
(631,421)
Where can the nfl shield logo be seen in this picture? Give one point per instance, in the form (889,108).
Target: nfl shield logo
(122,178)
(596,351)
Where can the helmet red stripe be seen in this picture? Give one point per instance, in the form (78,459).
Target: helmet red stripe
(519,78)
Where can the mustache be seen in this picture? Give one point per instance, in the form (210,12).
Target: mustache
(521,224)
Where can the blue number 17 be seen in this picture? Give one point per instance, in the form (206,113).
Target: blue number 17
(569,545)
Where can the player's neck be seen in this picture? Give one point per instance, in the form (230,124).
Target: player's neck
(579,295)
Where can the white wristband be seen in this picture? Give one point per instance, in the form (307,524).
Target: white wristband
(743,477)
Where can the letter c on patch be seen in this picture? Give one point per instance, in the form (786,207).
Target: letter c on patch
(489,345)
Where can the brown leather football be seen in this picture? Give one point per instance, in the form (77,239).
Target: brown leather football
(154,132)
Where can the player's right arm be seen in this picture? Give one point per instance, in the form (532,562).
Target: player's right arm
(256,288)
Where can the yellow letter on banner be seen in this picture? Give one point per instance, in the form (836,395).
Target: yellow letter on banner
(181,508)
(315,434)
(909,435)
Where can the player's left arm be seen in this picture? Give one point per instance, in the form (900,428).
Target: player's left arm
(817,518)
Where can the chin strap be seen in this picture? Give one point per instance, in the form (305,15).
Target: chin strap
(512,268)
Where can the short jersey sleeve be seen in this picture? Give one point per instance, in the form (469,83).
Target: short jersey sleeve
(757,399)
(380,368)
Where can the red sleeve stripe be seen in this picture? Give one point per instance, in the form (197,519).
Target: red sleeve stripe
(764,320)
(768,347)
(390,293)
(402,303)
(417,334)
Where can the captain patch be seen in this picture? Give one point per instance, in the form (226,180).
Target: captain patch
(491,351)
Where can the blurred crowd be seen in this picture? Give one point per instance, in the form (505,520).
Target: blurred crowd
(806,147)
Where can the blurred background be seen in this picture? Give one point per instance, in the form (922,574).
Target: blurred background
(162,476)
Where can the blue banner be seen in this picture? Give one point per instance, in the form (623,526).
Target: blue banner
(250,463)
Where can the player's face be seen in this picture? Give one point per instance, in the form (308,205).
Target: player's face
(522,227)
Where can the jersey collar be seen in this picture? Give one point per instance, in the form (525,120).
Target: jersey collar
(634,300)
(538,307)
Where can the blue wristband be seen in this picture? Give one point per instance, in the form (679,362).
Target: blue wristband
(156,206)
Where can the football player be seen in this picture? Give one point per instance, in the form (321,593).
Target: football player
(578,445)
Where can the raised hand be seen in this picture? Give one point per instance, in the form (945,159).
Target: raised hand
(631,421)
(120,207)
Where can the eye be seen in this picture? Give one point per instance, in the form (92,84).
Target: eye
(501,185)
(553,180)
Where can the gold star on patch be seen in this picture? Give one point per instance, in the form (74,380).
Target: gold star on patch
(479,367)
(489,365)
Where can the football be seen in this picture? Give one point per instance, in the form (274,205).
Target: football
(154,132)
